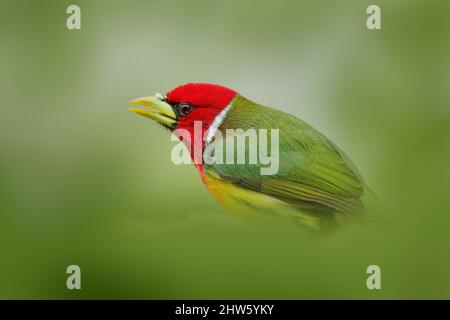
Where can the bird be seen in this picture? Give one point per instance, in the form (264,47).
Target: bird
(316,186)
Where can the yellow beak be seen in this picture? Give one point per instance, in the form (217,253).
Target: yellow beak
(156,109)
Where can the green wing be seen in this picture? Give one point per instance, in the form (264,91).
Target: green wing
(314,175)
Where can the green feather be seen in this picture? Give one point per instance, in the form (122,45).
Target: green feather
(315,182)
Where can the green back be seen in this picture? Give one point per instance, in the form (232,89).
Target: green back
(314,175)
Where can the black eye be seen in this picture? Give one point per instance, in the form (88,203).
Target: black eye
(184,108)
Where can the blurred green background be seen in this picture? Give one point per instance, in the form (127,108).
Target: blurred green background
(84,181)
